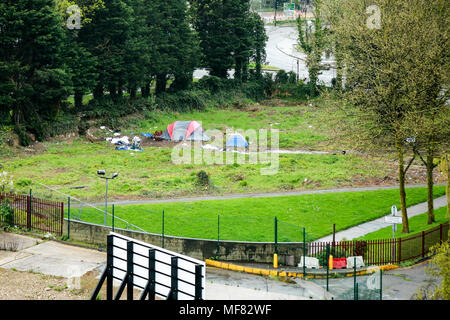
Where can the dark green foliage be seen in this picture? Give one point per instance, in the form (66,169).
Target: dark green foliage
(181,101)
(202,179)
(6,213)
(230,36)
(33,80)
(281,77)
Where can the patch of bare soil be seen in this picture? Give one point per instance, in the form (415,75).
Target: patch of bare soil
(23,285)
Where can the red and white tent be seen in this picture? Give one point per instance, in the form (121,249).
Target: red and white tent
(185,130)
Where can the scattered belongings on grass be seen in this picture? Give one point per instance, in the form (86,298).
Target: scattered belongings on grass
(147,135)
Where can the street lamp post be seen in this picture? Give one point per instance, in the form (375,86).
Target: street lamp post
(102,174)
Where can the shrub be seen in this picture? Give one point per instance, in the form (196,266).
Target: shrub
(203,179)
(24,138)
(182,101)
(23,182)
(281,77)
(6,213)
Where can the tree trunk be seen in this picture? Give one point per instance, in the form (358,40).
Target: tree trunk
(401,178)
(78,100)
(447,190)
(98,91)
(112,91)
(161,83)
(431,218)
(132,90)
(146,90)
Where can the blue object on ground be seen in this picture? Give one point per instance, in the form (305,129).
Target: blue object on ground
(148,135)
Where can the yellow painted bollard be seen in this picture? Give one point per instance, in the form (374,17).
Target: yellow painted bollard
(330,262)
(275,260)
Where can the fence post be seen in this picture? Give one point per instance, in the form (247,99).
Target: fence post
(109,266)
(327,262)
(399,250)
(151,273)
(275,255)
(304,253)
(276,235)
(218,236)
(113,217)
(334,239)
(62,219)
(354,280)
(68,217)
(163,229)
(198,282)
(29,212)
(423,244)
(174,279)
(381,284)
(130,270)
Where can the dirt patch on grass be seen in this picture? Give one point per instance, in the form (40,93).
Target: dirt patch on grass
(22,285)
(28,285)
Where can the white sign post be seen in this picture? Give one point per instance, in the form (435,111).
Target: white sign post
(394,220)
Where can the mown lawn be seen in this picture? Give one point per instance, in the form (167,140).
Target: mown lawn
(253,219)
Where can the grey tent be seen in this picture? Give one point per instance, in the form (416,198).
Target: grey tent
(185,130)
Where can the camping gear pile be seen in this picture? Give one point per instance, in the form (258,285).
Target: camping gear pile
(123,143)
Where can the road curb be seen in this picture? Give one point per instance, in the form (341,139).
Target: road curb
(282,273)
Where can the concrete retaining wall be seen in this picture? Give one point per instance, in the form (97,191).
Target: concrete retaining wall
(196,248)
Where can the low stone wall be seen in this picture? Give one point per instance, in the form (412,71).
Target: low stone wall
(197,248)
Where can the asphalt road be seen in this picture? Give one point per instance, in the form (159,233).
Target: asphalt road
(281,53)
(59,259)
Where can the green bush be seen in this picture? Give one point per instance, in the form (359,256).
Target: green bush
(23,182)
(202,179)
(6,213)
(182,101)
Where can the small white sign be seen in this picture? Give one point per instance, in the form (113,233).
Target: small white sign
(393,220)
(394,210)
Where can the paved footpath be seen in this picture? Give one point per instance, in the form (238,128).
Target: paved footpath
(374,225)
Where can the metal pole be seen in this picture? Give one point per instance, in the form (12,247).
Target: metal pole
(163,229)
(276,235)
(334,239)
(113,217)
(68,218)
(218,236)
(275,16)
(29,209)
(304,252)
(106,200)
(381,284)
(354,280)
(130,269)
(328,261)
